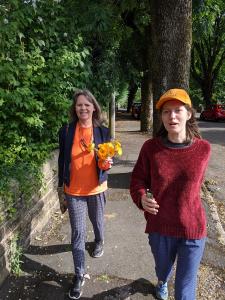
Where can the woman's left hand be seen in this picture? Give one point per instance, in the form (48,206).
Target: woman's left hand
(105,164)
(109,161)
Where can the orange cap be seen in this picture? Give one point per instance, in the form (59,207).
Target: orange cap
(174,94)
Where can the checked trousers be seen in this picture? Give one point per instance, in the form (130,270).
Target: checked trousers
(78,207)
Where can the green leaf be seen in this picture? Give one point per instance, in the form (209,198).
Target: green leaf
(41,43)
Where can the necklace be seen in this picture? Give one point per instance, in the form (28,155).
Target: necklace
(84,143)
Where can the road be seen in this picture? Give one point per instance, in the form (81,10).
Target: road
(214,132)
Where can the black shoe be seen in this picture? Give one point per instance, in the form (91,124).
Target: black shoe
(98,250)
(75,291)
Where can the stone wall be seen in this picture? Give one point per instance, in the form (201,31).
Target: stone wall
(32,220)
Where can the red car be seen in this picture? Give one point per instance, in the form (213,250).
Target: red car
(214,113)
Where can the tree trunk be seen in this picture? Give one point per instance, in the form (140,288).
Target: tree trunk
(146,84)
(131,95)
(112,115)
(146,103)
(207,91)
(171,49)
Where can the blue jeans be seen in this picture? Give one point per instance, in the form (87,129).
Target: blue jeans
(165,250)
(77,208)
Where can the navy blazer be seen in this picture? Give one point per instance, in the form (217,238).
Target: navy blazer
(66,137)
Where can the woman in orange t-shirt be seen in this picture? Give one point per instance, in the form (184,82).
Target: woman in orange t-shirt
(82,180)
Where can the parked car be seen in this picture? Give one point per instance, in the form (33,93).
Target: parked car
(214,113)
(136,110)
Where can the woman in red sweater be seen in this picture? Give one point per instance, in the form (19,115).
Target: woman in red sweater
(171,167)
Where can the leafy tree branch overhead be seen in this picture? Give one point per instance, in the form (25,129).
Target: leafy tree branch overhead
(208,51)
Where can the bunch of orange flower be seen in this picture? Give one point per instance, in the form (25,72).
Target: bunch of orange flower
(109,149)
(105,151)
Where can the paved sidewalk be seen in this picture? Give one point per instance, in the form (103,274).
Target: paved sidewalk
(126,270)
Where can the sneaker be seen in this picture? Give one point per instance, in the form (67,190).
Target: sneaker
(161,291)
(98,250)
(75,291)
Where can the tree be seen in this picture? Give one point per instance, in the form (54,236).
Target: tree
(146,84)
(115,33)
(171,47)
(135,54)
(208,52)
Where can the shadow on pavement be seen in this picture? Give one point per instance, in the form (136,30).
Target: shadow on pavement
(123,115)
(139,286)
(43,283)
(52,249)
(37,282)
(121,162)
(119,180)
(129,132)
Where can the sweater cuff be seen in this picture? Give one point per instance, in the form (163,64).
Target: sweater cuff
(141,193)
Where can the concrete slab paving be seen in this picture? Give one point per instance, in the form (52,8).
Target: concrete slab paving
(126,270)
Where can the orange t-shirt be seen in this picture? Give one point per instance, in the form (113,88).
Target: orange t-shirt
(83,172)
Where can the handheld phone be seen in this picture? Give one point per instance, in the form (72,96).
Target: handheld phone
(149,194)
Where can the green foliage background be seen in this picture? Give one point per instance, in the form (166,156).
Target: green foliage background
(208,52)
(41,63)
(47,50)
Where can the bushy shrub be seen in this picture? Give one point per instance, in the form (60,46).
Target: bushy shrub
(42,61)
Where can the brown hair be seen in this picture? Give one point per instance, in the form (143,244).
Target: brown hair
(97,119)
(192,129)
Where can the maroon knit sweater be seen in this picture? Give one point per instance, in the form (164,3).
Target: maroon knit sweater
(174,176)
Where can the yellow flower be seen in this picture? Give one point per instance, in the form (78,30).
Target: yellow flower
(117,143)
(117,147)
(90,147)
(102,151)
(119,150)
(110,150)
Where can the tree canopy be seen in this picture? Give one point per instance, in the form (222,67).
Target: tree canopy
(208,51)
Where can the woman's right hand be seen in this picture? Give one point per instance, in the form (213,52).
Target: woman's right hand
(149,205)
(62,200)
(63,206)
